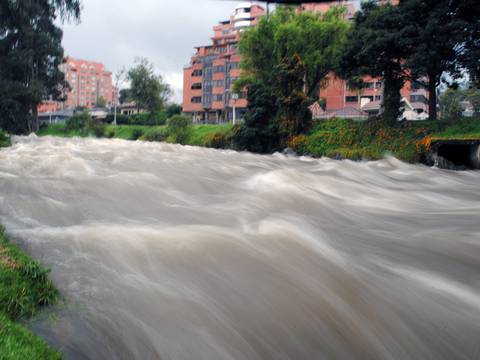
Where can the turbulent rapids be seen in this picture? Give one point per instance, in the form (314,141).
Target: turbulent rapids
(170,252)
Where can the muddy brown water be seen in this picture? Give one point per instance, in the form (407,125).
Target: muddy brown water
(170,252)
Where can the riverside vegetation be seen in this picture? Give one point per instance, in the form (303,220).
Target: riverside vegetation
(24,288)
(336,138)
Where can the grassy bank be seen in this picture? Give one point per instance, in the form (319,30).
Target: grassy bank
(335,138)
(348,139)
(24,287)
(202,135)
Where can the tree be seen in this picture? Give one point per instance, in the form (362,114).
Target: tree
(317,40)
(146,88)
(376,47)
(30,56)
(173,109)
(179,129)
(433,47)
(450,105)
(468,11)
(259,132)
(101,103)
(124,96)
(294,117)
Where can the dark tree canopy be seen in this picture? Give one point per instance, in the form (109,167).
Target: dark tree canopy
(30,56)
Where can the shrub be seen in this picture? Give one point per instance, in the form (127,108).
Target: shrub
(219,139)
(78,121)
(110,134)
(4,139)
(136,134)
(144,119)
(179,129)
(95,128)
(155,134)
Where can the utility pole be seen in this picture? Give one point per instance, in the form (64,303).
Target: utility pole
(118,78)
(234,98)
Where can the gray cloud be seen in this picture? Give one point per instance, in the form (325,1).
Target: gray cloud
(115,32)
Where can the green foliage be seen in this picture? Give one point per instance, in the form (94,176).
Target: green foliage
(451,102)
(30,55)
(316,39)
(341,138)
(376,47)
(259,131)
(18,343)
(294,117)
(172,109)
(78,121)
(101,102)
(156,118)
(179,129)
(155,134)
(432,45)
(95,128)
(24,287)
(147,89)
(136,134)
(450,106)
(4,139)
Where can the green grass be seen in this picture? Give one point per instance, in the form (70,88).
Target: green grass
(201,134)
(24,288)
(336,138)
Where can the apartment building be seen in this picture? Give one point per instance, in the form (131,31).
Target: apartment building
(89,81)
(207,94)
(208,79)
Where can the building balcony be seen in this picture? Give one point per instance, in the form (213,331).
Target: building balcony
(242,16)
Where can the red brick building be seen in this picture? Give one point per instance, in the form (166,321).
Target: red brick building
(89,81)
(207,80)
(338,96)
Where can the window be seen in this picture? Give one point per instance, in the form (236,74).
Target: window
(370,85)
(196,99)
(218,97)
(367,97)
(351,98)
(378,98)
(218,83)
(231,66)
(196,86)
(416,86)
(219,69)
(208,85)
(418,98)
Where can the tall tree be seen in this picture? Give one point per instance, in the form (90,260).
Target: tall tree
(468,11)
(434,45)
(30,57)
(317,40)
(147,88)
(376,47)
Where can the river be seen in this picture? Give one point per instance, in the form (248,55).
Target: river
(169,252)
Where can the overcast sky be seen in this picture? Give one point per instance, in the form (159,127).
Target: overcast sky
(165,32)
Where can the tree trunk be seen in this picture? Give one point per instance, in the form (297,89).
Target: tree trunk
(35,125)
(391,98)
(432,97)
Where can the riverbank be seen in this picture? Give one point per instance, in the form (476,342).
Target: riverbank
(334,138)
(24,288)
(4,139)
